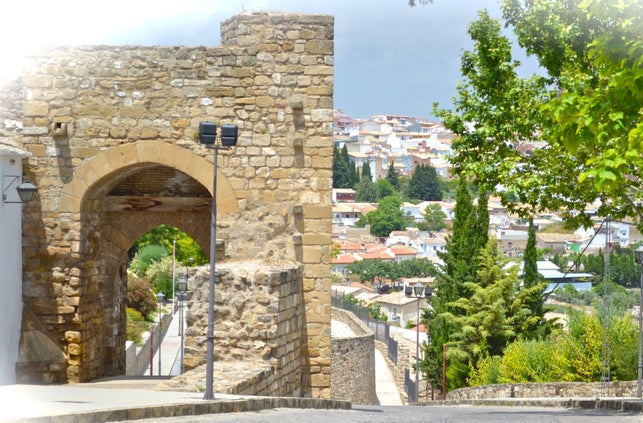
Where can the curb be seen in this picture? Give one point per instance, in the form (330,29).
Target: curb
(189,409)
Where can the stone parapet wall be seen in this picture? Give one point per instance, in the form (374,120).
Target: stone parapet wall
(138,355)
(546,390)
(259,316)
(353,362)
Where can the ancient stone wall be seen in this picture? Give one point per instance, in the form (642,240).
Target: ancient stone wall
(546,390)
(112,133)
(353,362)
(259,316)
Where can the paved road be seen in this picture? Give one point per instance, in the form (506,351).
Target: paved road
(413,414)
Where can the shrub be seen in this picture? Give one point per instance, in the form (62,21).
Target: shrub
(145,256)
(140,296)
(136,325)
(159,273)
(486,372)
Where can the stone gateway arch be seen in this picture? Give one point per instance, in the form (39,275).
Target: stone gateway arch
(112,136)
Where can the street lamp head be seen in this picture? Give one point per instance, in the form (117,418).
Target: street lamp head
(229,135)
(207,132)
(26,191)
(182,282)
(428,291)
(160,296)
(417,289)
(182,285)
(638,254)
(408,291)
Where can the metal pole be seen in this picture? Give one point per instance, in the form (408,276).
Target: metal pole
(444,371)
(181,328)
(209,369)
(639,385)
(173,277)
(417,354)
(160,338)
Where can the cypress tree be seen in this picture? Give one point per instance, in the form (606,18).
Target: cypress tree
(481,225)
(530,269)
(366,172)
(393,176)
(342,177)
(457,280)
(425,184)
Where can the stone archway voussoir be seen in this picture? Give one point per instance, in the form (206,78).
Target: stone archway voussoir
(110,160)
(149,151)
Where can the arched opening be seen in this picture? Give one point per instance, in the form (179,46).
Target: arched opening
(116,211)
(157,264)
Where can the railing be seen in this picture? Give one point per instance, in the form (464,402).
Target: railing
(391,346)
(409,385)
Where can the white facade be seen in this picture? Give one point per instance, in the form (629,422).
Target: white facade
(10,262)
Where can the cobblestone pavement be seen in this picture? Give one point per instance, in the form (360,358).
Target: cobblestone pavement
(412,414)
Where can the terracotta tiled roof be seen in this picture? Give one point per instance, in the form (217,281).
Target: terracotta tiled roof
(344,259)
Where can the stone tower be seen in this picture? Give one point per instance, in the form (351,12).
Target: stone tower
(112,135)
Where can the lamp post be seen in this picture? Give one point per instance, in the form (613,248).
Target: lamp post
(416,292)
(159,298)
(182,285)
(207,136)
(638,254)
(173,276)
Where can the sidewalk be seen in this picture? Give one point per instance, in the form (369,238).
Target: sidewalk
(167,357)
(91,403)
(385,387)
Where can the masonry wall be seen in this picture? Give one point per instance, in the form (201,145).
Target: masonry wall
(259,316)
(547,390)
(97,118)
(353,362)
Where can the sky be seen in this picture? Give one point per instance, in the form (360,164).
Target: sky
(389,58)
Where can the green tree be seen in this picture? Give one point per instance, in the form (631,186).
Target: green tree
(504,109)
(452,281)
(481,223)
(370,270)
(530,271)
(343,172)
(165,235)
(366,191)
(384,188)
(587,108)
(393,176)
(366,171)
(482,322)
(433,219)
(387,217)
(417,267)
(425,184)
(460,250)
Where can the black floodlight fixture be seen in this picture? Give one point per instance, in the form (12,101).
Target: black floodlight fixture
(229,135)
(428,291)
(207,133)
